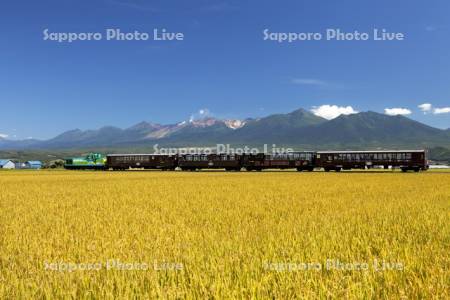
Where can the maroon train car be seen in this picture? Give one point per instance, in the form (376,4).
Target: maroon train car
(146,161)
(229,162)
(302,161)
(414,160)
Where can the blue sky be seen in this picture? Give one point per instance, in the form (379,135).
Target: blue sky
(222,65)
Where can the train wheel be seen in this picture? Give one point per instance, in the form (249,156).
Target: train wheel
(326,170)
(338,169)
(299,169)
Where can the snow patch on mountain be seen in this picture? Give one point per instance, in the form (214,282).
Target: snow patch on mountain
(234,124)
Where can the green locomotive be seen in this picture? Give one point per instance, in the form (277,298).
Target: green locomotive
(92,161)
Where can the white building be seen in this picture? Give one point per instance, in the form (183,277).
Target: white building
(7,164)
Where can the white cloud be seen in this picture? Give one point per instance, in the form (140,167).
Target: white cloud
(201,114)
(3,136)
(442,110)
(428,107)
(332,111)
(307,81)
(425,107)
(397,111)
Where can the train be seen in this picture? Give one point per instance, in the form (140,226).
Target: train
(95,161)
(405,160)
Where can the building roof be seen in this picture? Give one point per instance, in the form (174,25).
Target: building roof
(34,162)
(4,161)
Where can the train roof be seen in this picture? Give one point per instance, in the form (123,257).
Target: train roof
(372,151)
(129,154)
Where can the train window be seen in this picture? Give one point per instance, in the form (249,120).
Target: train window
(293,156)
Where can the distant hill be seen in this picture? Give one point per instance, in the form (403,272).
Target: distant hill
(300,128)
(277,128)
(374,129)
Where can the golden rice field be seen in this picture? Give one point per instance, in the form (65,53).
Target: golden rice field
(106,235)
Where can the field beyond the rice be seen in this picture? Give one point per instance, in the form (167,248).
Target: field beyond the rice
(81,234)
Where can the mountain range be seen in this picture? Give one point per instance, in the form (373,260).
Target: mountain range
(299,128)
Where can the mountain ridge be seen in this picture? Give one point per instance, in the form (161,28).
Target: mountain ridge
(299,127)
